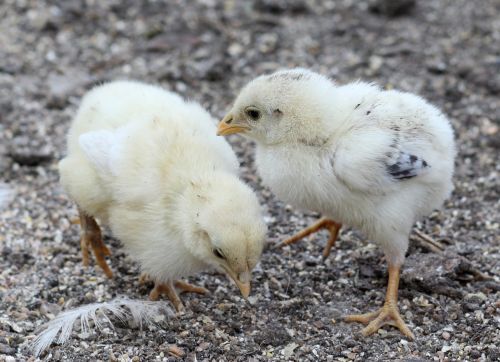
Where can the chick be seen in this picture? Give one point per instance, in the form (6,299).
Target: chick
(149,165)
(372,159)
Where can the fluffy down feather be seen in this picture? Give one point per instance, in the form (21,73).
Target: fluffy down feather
(124,309)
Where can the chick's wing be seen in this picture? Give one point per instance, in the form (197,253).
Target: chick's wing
(375,160)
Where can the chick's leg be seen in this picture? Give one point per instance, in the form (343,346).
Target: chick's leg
(169,290)
(189,288)
(332,226)
(92,237)
(388,314)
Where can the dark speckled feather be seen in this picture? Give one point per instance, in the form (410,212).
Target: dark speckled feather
(407,166)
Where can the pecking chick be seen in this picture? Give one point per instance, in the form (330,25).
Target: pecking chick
(148,164)
(372,159)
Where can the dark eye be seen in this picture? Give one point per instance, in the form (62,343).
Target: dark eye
(253,113)
(218,253)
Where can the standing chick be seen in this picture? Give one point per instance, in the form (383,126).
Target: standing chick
(372,159)
(149,165)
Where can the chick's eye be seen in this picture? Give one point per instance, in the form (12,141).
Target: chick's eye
(218,253)
(253,113)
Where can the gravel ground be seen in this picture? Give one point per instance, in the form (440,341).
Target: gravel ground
(447,50)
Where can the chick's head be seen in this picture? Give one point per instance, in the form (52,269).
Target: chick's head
(224,227)
(278,107)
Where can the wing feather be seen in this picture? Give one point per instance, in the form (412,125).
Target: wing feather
(407,166)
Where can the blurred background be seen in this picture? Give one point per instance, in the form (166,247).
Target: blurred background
(51,52)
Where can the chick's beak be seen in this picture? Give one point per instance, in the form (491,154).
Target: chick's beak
(229,125)
(242,280)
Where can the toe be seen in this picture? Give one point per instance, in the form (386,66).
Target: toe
(362,318)
(189,288)
(401,325)
(373,326)
(387,316)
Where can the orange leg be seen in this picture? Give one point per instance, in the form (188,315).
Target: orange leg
(92,237)
(388,314)
(169,289)
(332,226)
(189,288)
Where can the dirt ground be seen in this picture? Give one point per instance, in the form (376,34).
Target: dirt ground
(51,52)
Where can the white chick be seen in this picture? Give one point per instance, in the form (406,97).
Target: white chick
(372,159)
(149,165)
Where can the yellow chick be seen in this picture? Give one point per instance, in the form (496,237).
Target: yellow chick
(148,164)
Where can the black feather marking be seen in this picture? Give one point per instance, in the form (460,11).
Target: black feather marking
(406,166)
(357,106)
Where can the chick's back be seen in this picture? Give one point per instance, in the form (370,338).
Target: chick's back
(164,143)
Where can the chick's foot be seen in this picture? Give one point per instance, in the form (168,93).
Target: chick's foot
(169,289)
(332,226)
(92,237)
(388,314)
(189,288)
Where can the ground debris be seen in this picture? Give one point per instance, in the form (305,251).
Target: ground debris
(54,51)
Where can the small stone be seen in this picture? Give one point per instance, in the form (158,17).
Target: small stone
(446,348)
(176,351)
(475,297)
(289,349)
(318,324)
(392,8)
(6,349)
(30,157)
(112,357)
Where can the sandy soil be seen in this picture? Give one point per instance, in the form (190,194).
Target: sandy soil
(446,50)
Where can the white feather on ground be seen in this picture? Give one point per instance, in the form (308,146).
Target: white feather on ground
(6,195)
(138,312)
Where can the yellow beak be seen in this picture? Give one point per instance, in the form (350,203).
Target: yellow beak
(244,288)
(229,126)
(242,281)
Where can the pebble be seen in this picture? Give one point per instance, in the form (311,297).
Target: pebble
(5,349)
(475,297)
